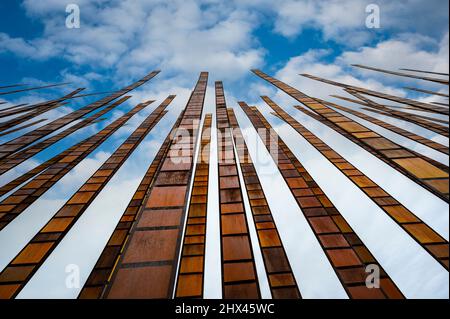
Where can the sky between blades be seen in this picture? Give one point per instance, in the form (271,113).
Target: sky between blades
(120,41)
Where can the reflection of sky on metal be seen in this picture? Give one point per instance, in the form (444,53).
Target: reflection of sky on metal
(417,274)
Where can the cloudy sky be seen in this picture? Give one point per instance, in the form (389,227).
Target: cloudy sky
(120,41)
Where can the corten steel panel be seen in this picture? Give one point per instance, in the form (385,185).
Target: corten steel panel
(81,149)
(21,108)
(425,71)
(346,253)
(48,105)
(417,104)
(394,209)
(22,127)
(236,245)
(34,88)
(433,177)
(58,100)
(11,86)
(412,76)
(400,159)
(45,241)
(102,271)
(427,91)
(27,139)
(54,169)
(425,122)
(11,107)
(28,109)
(280,277)
(421,120)
(148,264)
(440,103)
(419,139)
(17,158)
(190,281)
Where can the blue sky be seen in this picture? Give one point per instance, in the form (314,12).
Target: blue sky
(231,38)
(120,41)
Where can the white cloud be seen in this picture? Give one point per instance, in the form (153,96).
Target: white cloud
(405,51)
(313,62)
(317,62)
(344,20)
(339,20)
(184,36)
